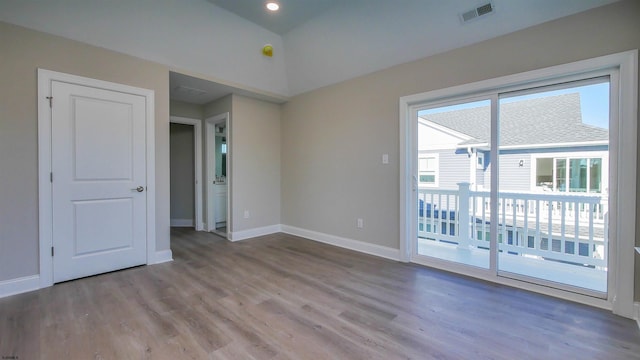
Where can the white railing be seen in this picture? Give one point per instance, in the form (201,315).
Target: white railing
(570,228)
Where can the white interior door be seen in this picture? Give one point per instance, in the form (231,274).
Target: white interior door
(99,180)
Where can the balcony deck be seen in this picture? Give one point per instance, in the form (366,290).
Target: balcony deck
(559,238)
(591,278)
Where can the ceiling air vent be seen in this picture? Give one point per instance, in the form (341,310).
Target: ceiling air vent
(485,9)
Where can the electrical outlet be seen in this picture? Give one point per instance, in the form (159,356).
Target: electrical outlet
(360,223)
(246,214)
(385,158)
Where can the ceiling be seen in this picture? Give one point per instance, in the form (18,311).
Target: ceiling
(291,14)
(199,91)
(319,42)
(315,31)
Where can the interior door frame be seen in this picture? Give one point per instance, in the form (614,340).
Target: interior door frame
(210,123)
(45,191)
(197,152)
(622,229)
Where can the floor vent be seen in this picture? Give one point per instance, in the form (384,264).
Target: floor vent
(482,10)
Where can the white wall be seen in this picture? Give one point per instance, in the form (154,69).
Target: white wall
(255,163)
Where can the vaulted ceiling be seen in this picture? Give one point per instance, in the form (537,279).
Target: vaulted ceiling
(292,13)
(316,42)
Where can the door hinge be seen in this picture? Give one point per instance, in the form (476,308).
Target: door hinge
(51,177)
(50,98)
(52,251)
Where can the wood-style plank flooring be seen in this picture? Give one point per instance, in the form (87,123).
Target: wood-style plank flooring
(283,297)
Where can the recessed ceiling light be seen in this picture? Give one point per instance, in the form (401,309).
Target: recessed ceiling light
(273,6)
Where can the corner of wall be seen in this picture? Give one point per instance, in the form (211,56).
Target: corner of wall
(162,256)
(255,232)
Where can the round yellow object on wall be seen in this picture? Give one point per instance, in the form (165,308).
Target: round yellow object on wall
(267,50)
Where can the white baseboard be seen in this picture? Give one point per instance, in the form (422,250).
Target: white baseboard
(19,285)
(251,233)
(182,222)
(636,312)
(162,257)
(360,246)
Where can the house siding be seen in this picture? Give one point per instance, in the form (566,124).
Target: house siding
(512,176)
(480,178)
(453,168)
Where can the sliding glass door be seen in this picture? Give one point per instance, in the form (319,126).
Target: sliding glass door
(553,184)
(453,182)
(516,183)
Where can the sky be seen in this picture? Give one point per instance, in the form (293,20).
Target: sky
(594,103)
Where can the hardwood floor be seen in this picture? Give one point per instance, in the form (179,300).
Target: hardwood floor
(283,297)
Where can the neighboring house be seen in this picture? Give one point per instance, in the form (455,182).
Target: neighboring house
(544,146)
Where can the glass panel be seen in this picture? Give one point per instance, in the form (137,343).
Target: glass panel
(561,175)
(595,175)
(557,235)
(453,212)
(544,173)
(578,175)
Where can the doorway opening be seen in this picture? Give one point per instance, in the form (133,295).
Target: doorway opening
(218,174)
(185,136)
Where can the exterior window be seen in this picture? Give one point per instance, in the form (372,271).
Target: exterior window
(480,161)
(544,173)
(428,170)
(578,175)
(595,175)
(569,174)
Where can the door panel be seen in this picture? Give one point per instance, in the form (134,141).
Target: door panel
(98,162)
(452,187)
(554,221)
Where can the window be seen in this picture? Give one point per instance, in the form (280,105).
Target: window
(428,170)
(580,174)
(480,161)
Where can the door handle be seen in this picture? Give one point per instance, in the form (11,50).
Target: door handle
(139,189)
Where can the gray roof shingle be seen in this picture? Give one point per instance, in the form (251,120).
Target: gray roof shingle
(549,120)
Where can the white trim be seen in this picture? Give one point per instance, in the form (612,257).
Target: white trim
(197,152)
(182,223)
(210,170)
(45,212)
(255,232)
(621,274)
(19,285)
(162,256)
(356,245)
(554,145)
(636,306)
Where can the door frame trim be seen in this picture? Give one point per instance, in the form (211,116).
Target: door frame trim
(621,277)
(45,193)
(197,152)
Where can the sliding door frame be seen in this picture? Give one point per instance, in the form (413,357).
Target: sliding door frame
(624,77)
